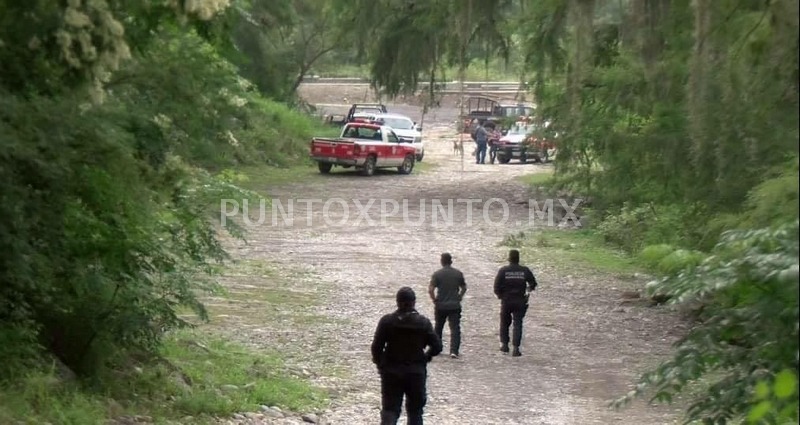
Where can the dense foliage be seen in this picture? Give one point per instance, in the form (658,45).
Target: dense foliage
(680,119)
(114,118)
(746,338)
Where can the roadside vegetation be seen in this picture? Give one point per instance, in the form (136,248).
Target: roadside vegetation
(122,125)
(199,377)
(678,120)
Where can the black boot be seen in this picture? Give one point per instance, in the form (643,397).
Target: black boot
(504,348)
(516,352)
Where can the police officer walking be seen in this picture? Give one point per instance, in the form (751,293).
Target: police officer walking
(513,285)
(399,351)
(447,289)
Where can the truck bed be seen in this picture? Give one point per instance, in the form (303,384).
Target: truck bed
(334,150)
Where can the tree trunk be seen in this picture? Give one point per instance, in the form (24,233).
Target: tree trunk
(700,93)
(582,19)
(305,67)
(784,47)
(466,25)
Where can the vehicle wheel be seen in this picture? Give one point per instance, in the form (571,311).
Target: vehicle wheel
(408,165)
(324,167)
(369,166)
(506,157)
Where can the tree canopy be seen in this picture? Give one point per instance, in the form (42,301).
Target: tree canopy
(119,120)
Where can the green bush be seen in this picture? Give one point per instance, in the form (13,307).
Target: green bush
(777,399)
(633,227)
(100,247)
(626,228)
(39,397)
(277,134)
(679,260)
(19,349)
(189,378)
(771,203)
(651,255)
(746,335)
(104,224)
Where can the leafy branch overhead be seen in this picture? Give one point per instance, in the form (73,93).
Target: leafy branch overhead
(114,119)
(409,42)
(680,119)
(278,43)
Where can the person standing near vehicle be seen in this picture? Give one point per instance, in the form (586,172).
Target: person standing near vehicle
(447,289)
(494,137)
(513,285)
(399,351)
(481,139)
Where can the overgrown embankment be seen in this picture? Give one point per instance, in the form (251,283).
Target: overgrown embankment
(738,274)
(118,125)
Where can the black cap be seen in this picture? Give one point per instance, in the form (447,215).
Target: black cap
(406,295)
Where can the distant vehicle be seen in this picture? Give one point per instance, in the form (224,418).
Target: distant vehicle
(520,142)
(365,108)
(366,117)
(365,146)
(357,112)
(478,109)
(406,129)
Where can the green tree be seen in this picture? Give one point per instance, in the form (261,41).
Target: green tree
(107,109)
(745,338)
(277,43)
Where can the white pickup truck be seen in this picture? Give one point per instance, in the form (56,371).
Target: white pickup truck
(407,130)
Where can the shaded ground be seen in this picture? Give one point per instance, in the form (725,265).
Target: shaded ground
(580,349)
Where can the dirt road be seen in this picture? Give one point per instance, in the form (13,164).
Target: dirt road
(579,348)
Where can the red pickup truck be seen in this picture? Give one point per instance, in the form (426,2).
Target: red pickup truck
(366,147)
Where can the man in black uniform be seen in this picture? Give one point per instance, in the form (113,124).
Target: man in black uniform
(513,285)
(451,287)
(398,349)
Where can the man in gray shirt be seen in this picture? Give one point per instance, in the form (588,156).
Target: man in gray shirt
(481,139)
(446,289)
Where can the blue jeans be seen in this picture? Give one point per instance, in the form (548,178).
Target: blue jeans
(480,154)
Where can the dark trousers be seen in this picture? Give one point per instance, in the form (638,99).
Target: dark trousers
(480,153)
(512,312)
(492,153)
(453,318)
(396,385)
